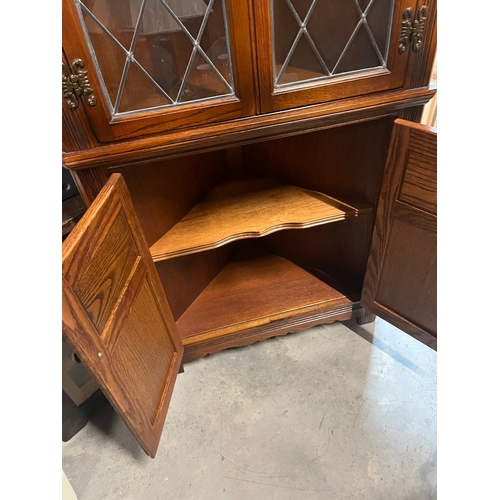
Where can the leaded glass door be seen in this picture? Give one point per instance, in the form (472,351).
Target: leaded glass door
(321,50)
(156,65)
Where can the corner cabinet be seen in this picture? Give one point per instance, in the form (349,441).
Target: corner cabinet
(249,171)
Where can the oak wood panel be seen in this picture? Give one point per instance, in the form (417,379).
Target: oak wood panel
(253,292)
(400,281)
(184,278)
(301,94)
(249,208)
(345,162)
(410,264)
(115,315)
(165,191)
(109,128)
(419,182)
(337,252)
(251,129)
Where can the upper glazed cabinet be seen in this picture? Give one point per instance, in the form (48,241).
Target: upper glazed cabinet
(147,66)
(319,50)
(156,65)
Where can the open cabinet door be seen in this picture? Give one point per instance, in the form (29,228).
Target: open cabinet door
(400,282)
(116,316)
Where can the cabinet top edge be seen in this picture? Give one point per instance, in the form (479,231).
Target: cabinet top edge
(250,129)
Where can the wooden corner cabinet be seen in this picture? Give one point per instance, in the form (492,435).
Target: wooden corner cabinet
(251,169)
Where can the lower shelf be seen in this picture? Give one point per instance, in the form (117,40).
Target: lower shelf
(250,300)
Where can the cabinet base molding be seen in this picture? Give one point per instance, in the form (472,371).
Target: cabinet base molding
(200,348)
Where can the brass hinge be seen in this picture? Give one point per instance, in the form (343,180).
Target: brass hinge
(76,83)
(412,31)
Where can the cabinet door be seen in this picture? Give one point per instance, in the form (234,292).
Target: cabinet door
(158,65)
(313,51)
(116,316)
(400,281)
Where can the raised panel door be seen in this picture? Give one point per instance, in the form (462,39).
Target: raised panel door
(116,317)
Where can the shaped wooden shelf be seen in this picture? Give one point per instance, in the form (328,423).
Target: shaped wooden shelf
(251,294)
(250,208)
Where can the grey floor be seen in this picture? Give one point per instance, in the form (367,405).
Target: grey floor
(336,412)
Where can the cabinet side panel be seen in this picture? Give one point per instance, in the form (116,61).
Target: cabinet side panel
(165,191)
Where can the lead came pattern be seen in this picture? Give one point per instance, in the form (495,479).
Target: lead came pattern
(371,48)
(158,53)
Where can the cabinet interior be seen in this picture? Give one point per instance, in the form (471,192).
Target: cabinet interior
(248,278)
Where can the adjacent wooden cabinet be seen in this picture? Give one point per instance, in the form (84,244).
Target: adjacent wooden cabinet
(250,171)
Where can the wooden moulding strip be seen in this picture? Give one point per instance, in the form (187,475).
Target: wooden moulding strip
(248,130)
(201,345)
(249,208)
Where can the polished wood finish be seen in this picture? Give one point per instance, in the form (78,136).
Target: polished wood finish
(400,282)
(302,94)
(108,128)
(343,162)
(255,296)
(251,129)
(250,208)
(184,278)
(115,314)
(163,192)
(330,137)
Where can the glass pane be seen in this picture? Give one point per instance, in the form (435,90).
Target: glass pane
(331,25)
(202,81)
(326,38)
(301,7)
(376,18)
(139,92)
(115,16)
(144,50)
(110,56)
(360,54)
(303,65)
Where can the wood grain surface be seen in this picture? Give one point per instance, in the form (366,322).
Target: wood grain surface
(249,208)
(247,130)
(253,292)
(401,277)
(115,314)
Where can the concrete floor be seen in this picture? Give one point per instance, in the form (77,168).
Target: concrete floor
(336,412)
